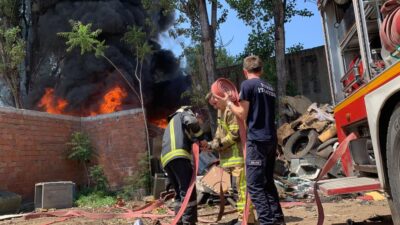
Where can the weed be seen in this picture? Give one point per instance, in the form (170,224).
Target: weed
(99,180)
(95,199)
(141,179)
(80,150)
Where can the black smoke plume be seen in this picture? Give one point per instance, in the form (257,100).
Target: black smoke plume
(82,80)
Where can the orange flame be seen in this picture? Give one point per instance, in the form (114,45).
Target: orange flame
(162,123)
(51,103)
(112,101)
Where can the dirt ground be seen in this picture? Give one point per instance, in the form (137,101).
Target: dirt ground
(336,213)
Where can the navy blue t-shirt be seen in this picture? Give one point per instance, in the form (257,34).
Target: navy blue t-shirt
(261,115)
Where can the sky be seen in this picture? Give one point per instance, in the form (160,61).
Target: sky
(307,31)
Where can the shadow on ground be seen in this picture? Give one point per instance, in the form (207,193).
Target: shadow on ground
(289,219)
(377,220)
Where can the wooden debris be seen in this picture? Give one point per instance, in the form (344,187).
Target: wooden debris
(215,177)
(284,132)
(12,216)
(328,134)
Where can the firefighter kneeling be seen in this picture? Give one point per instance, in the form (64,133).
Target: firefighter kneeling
(183,129)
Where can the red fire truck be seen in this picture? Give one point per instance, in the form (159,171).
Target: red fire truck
(362,40)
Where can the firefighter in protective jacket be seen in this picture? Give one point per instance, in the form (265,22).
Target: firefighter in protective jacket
(227,143)
(182,130)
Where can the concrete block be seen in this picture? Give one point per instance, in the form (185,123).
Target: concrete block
(9,202)
(160,185)
(57,195)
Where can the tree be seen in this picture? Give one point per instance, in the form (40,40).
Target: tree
(136,38)
(81,150)
(195,67)
(12,48)
(198,12)
(201,30)
(267,17)
(84,38)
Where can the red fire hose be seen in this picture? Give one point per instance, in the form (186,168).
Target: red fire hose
(390,28)
(327,167)
(195,151)
(142,212)
(219,88)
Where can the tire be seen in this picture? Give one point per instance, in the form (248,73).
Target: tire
(325,149)
(326,143)
(325,152)
(393,163)
(300,143)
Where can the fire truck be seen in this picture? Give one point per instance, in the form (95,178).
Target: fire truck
(362,41)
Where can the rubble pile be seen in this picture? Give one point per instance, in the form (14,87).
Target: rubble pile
(308,139)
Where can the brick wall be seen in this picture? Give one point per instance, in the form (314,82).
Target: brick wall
(32,147)
(119,140)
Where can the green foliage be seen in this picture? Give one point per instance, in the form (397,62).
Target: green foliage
(95,199)
(9,12)
(80,147)
(99,180)
(261,43)
(194,67)
(260,16)
(84,38)
(295,48)
(136,38)
(270,75)
(194,62)
(291,89)
(223,59)
(13,50)
(187,22)
(140,179)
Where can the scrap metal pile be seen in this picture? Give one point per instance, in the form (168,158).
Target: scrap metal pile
(308,139)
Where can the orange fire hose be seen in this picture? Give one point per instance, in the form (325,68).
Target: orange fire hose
(142,212)
(219,88)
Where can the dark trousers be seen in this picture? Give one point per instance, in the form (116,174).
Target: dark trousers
(180,174)
(260,161)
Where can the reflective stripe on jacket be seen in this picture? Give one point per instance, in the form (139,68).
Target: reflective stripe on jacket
(179,135)
(227,140)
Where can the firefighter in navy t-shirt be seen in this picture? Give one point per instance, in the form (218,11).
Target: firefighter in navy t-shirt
(257,108)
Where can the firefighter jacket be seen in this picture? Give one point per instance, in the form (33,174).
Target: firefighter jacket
(182,130)
(227,140)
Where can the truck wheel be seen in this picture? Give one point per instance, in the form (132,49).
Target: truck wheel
(300,143)
(393,163)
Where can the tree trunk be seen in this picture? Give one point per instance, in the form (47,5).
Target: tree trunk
(146,127)
(13,86)
(202,81)
(208,42)
(17,100)
(279,19)
(86,173)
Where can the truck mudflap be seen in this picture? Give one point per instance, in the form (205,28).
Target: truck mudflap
(343,185)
